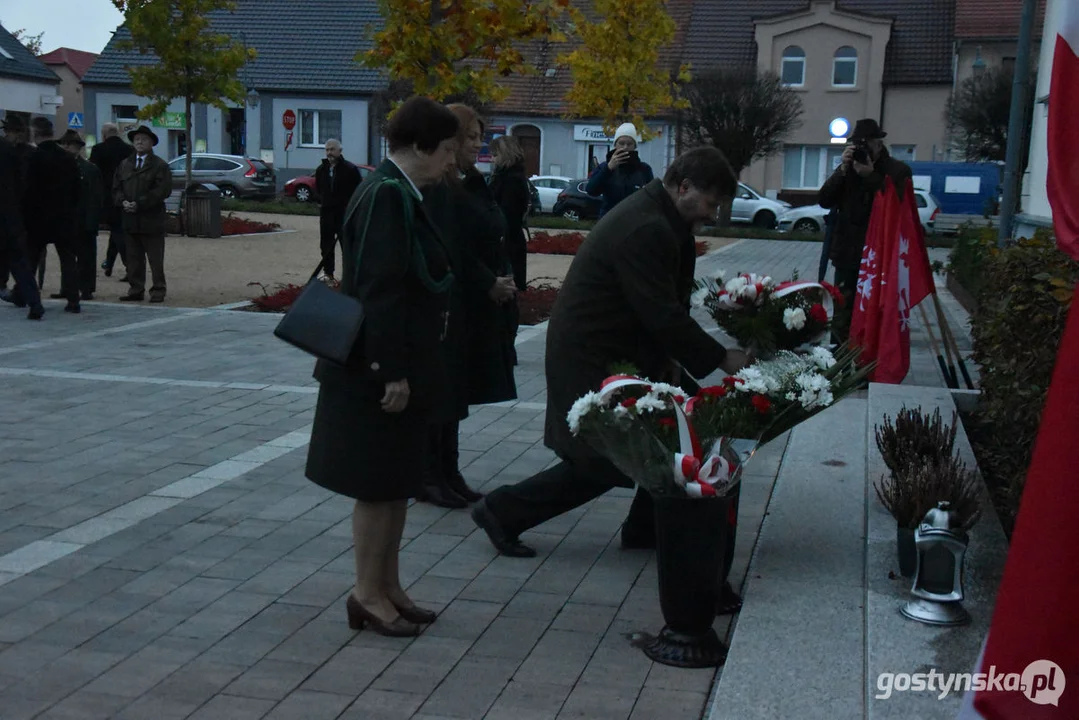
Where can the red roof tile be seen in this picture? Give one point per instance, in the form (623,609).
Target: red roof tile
(993,19)
(78,60)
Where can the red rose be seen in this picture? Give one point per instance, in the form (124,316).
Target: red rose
(730,381)
(713,391)
(666,422)
(761,403)
(819,314)
(629,402)
(837,296)
(679,399)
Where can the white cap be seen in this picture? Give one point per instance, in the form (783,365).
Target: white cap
(627,130)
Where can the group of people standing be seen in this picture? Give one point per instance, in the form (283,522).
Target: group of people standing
(53,195)
(428,250)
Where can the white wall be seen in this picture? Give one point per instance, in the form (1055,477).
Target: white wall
(300,160)
(1034,200)
(25,96)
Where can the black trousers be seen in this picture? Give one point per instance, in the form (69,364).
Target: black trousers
(86,256)
(517,253)
(329,225)
(442,451)
(846,280)
(567,485)
(15,260)
(117,244)
(69,266)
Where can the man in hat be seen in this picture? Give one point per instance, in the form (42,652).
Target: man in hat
(107,156)
(850,192)
(12,229)
(140,187)
(623,173)
(88,215)
(50,207)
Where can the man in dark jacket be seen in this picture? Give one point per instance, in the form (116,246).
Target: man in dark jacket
(335,180)
(622,174)
(18,136)
(140,187)
(50,207)
(107,156)
(624,299)
(13,233)
(88,215)
(850,191)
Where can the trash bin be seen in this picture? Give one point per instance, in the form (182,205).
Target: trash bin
(203,216)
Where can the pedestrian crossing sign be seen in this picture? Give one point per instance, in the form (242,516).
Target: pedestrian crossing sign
(74,120)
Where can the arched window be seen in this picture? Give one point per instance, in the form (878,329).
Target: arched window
(845,67)
(793,69)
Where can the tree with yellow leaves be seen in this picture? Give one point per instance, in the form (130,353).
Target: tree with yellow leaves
(617,74)
(447,48)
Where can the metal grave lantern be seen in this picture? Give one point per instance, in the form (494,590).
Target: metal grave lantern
(938,579)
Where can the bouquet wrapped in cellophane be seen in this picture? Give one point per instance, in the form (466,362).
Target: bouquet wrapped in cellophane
(767,317)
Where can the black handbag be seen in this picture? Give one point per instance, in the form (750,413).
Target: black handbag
(324,322)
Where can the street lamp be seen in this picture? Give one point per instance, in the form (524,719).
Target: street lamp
(839,128)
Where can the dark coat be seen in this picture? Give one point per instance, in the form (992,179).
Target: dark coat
(852,196)
(148,188)
(89,208)
(624,299)
(51,197)
(616,185)
(334,194)
(509,190)
(107,156)
(356,448)
(11,186)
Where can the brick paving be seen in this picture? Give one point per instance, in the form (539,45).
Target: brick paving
(162,555)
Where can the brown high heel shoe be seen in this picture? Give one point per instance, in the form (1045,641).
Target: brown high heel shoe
(359,616)
(416,614)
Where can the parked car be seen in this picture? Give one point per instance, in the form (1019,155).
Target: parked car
(549,187)
(303,187)
(810,218)
(576,204)
(750,206)
(234,175)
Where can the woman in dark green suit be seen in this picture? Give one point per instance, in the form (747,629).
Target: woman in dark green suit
(371,419)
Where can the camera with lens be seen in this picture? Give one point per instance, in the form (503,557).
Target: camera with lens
(861,152)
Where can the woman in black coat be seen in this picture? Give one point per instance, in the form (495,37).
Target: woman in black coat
(479,344)
(372,417)
(509,188)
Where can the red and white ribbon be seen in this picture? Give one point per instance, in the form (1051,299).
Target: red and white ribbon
(791,287)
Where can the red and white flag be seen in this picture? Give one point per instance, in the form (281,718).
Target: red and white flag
(893,278)
(1062,183)
(1035,627)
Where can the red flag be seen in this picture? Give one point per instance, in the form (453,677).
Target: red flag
(1035,618)
(1062,181)
(893,278)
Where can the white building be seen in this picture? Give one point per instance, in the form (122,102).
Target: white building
(28,88)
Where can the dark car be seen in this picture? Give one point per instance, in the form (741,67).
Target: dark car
(234,175)
(576,204)
(303,187)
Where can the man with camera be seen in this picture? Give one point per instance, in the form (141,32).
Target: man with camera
(850,191)
(622,174)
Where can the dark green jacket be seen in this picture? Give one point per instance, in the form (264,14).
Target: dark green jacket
(149,188)
(89,208)
(624,300)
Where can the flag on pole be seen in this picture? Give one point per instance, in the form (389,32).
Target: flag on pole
(1062,182)
(893,278)
(1035,628)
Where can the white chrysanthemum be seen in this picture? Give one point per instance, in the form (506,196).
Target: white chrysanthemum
(791,396)
(735,286)
(720,277)
(794,318)
(816,390)
(582,407)
(698,297)
(650,404)
(822,357)
(665,389)
(753,380)
(749,292)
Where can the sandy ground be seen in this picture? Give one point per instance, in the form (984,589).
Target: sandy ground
(201,272)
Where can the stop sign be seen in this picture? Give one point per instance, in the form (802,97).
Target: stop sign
(288,119)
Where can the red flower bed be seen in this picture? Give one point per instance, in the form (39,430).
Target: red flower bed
(535,303)
(232,225)
(276,302)
(544,243)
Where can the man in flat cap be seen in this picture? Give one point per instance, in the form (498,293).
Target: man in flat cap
(88,215)
(140,187)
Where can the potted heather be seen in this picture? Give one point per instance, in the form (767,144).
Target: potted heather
(917,450)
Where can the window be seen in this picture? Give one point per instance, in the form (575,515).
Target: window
(793,70)
(903,152)
(179,165)
(806,167)
(920,199)
(318,126)
(845,67)
(213,164)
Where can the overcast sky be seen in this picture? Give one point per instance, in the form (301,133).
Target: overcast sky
(79,24)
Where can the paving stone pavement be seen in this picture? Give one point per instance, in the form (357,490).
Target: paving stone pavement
(162,555)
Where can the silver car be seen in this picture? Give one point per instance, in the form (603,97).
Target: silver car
(751,207)
(810,218)
(235,175)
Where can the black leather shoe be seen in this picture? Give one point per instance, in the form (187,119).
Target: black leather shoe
(131,298)
(36,313)
(58,296)
(511,547)
(457,484)
(87,295)
(157,298)
(439,494)
(73,308)
(11,297)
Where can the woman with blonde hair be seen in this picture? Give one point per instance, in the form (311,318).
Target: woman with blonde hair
(509,187)
(479,344)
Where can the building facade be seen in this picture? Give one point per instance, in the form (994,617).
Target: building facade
(70,66)
(28,88)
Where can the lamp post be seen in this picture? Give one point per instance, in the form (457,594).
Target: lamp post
(938,579)
(1015,122)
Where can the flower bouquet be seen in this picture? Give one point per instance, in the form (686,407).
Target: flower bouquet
(766,317)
